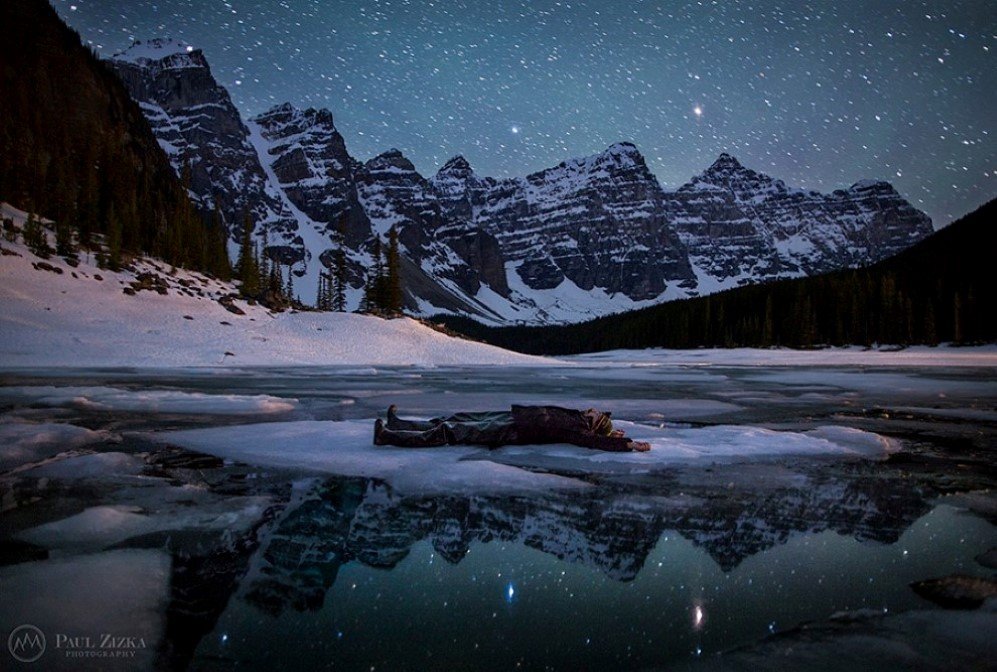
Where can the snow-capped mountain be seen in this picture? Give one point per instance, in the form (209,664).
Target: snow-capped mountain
(588,237)
(741,226)
(197,125)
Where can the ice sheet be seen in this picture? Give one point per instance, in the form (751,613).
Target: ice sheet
(26,442)
(985,356)
(96,465)
(346,448)
(98,527)
(150,401)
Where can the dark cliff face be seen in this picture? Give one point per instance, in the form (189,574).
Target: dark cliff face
(590,236)
(596,221)
(198,126)
(308,157)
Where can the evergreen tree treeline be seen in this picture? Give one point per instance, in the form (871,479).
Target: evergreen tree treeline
(77,150)
(383,292)
(941,289)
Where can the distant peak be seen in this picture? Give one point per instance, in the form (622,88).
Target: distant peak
(283,108)
(393,158)
(622,148)
(872,185)
(155,49)
(457,164)
(726,162)
(287,112)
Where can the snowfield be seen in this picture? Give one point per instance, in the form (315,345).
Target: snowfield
(56,315)
(74,317)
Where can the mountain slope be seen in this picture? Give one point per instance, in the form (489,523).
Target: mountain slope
(588,237)
(149,315)
(940,289)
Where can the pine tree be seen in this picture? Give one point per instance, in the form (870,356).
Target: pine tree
(338,294)
(262,269)
(247,268)
(9,232)
(217,261)
(320,295)
(64,244)
(35,238)
(392,282)
(373,300)
(275,284)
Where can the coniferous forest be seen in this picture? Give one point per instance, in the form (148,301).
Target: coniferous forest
(77,150)
(940,290)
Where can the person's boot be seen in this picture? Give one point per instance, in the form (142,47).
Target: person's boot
(392,416)
(378,431)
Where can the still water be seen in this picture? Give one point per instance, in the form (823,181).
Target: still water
(220,565)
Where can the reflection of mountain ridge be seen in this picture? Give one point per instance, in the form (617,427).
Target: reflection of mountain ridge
(356,519)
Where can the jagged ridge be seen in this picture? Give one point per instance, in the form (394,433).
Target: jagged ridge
(590,236)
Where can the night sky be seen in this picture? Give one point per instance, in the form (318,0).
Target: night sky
(820,94)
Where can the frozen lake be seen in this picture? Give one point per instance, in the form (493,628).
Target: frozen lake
(241,517)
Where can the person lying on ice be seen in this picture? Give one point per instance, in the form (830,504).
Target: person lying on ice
(523,425)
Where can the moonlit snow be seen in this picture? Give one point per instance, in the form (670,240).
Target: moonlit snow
(81,316)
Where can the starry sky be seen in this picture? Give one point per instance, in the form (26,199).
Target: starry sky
(819,94)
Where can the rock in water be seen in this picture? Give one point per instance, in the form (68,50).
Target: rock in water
(957,591)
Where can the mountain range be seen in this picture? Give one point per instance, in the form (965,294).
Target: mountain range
(588,237)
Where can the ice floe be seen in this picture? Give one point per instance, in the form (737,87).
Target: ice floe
(346,448)
(149,401)
(26,442)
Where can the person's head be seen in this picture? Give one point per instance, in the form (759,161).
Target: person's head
(599,422)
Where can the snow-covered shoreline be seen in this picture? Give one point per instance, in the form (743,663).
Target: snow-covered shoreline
(921,355)
(63,316)
(58,315)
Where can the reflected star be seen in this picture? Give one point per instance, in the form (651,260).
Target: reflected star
(515,130)
(698,617)
(698,111)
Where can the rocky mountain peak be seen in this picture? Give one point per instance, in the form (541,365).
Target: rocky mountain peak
(166,51)
(624,151)
(392,160)
(730,175)
(874,187)
(457,166)
(725,162)
(287,114)
(592,235)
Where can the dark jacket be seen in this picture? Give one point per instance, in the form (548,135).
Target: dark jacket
(553,424)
